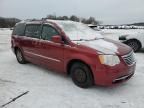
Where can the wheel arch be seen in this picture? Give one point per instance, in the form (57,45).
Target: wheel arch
(134,39)
(15,48)
(71,62)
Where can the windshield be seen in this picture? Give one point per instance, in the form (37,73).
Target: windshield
(78,31)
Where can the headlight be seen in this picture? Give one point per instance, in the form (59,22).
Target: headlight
(110,60)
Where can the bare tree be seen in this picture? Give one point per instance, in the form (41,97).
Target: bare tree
(51,17)
(74,18)
(90,20)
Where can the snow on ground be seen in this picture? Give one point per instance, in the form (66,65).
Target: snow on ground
(4,39)
(52,90)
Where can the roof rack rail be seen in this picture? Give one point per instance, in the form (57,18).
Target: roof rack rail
(44,19)
(33,19)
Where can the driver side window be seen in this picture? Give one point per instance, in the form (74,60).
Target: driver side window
(48,31)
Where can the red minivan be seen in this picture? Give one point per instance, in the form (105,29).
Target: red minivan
(75,49)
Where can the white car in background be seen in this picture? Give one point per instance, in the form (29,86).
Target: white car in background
(135,40)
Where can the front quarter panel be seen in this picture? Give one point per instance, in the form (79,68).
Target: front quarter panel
(82,54)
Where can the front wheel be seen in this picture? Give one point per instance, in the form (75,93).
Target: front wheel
(81,75)
(20,57)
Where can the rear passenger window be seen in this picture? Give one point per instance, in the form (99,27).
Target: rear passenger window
(32,31)
(48,32)
(19,29)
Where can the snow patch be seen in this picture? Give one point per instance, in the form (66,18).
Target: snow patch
(102,46)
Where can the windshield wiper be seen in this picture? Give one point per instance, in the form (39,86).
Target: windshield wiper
(79,40)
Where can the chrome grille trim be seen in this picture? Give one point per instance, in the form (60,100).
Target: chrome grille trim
(122,78)
(129,59)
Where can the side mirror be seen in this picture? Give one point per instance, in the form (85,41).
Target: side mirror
(57,39)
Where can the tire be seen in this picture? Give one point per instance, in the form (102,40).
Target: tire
(20,57)
(81,75)
(134,44)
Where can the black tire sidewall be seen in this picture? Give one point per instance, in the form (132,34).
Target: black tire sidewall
(23,59)
(85,68)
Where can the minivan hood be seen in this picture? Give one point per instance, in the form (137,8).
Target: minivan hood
(107,46)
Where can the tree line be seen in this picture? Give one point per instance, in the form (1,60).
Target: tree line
(8,22)
(90,20)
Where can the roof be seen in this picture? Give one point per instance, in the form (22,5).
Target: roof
(35,21)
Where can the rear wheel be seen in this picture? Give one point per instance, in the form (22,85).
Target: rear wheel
(81,75)
(20,57)
(134,44)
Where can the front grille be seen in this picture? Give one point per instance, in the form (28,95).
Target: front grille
(129,59)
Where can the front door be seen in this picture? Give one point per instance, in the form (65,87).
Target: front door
(51,53)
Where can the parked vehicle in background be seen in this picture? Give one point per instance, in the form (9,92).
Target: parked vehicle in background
(135,40)
(96,29)
(75,49)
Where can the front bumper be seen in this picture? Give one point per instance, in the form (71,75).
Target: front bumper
(107,76)
(122,38)
(122,78)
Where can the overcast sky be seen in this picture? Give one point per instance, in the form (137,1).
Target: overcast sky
(107,11)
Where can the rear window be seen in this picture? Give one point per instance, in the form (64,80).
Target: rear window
(19,29)
(33,30)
